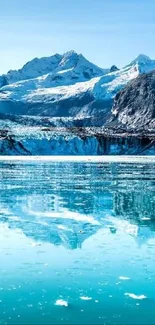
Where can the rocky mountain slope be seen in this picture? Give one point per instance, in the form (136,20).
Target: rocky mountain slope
(134,106)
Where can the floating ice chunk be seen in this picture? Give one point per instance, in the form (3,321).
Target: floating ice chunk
(33,244)
(61,302)
(85,298)
(133,296)
(145,218)
(96,301)
(124,278)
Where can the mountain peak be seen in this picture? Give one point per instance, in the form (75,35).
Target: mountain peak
(143,63)
(70,53)
(141,58)
(69,59)
(113,68)
(69,67)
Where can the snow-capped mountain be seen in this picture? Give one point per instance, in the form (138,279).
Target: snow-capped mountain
(70,64)
(66,85)
(144,63)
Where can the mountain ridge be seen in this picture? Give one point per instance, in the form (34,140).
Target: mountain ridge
(41,66)
(74,86)
(70,91)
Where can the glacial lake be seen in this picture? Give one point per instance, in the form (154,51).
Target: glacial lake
(77,242)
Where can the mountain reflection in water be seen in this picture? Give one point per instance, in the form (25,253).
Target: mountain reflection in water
(83,232)
(65,204)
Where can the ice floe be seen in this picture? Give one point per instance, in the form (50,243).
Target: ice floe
(85,298)
(61,302)
(133,296)
(124,278)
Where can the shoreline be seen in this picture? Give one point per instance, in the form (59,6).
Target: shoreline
(104,159)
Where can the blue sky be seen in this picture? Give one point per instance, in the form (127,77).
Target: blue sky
(106,31)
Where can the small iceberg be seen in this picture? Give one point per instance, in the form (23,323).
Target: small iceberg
(124,278)
(34,244)
(133,296)
(61,302)
(85,298)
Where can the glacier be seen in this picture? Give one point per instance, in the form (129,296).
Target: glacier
(19,139)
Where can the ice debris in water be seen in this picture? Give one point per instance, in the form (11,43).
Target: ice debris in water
(133,296)
(85,298)
(34,244)
(124,278)
(61,302)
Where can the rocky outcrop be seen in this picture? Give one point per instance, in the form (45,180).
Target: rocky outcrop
(113,68)
(134,106)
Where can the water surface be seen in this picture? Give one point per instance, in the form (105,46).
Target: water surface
(82,232)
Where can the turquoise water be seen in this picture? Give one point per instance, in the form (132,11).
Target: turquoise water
(80,232)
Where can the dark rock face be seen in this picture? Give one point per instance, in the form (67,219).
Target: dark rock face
(134,106)
(113,68)
(3,81)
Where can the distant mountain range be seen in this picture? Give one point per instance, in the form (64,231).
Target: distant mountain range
(69,91)
(66,85)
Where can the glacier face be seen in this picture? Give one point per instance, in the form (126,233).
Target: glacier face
(68,144)
(23,136)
